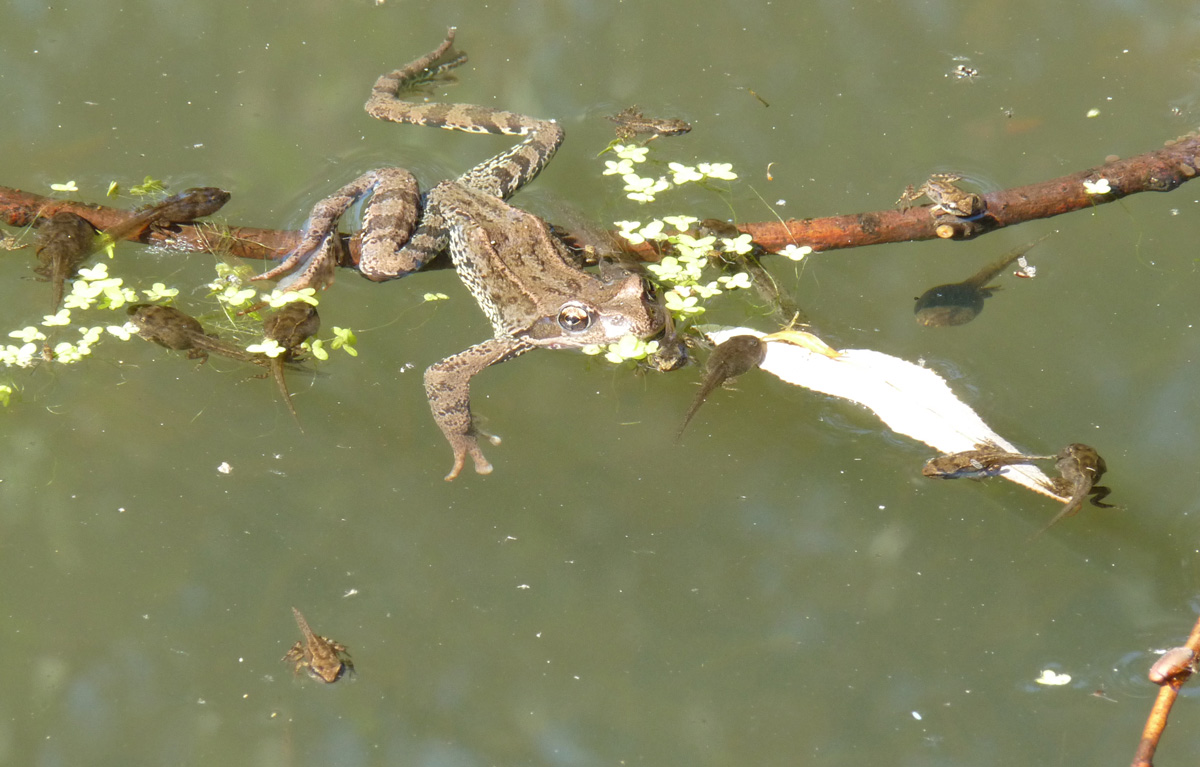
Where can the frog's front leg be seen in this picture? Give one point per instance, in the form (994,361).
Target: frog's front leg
(448,387)
(388,221)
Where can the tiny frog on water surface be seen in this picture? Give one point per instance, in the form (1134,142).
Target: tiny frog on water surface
(947,198)
(983,461)
(630,122)
(1081,468)
(520,274)
(322,657)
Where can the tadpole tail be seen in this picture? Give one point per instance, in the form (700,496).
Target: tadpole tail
(277,372)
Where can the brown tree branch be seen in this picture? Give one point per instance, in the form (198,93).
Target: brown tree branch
(1161,170)
(1157,721)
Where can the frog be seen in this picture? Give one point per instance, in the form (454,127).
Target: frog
(731,358)
(958,303)
(173,328)
(631,122)
(523,278)
(64,241)
(947,198)
(320,656)
(1081,468)
(984,461)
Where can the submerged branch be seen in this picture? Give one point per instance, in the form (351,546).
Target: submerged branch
(1162,170)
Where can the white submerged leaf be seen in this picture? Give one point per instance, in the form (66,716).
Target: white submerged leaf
(909,399)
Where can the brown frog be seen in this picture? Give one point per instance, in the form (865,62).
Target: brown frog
(64,240)
(630,122)
(947,198)
(522,276)
(958,303)
(171,328)
(731,358)
(983,461)
(322,657)
(1081,468)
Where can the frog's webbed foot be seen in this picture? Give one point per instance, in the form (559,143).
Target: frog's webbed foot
(314,260)
(448,387)
(464,445)
(309,267)
(1100,492)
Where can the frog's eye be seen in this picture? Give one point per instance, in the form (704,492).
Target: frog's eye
(574,318)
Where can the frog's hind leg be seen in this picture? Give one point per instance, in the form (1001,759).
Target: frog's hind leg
(394,193)
(503,174)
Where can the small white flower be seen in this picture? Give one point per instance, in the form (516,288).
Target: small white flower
(1099,186)
(62,317)
(619,168)
(280,298)
(631,152)
(1050,678)
(707,291)
(794,252)
(160,292)
(681,174)
(682,223)
(627,230)
(66,352)
(28,334)
(721,170)
(97,272)
(732,281)
(652,230)
(118,295)
(740,245)
(682,304)
(123,332)
(235,297)
(668,269)
(268,346)
(689,245)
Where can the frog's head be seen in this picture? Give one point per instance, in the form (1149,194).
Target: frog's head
(613,309)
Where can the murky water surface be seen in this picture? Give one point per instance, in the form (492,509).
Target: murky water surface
(783,588)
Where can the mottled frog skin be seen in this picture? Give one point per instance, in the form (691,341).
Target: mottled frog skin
(631,122)
(983,461)
(947,198)
(520,274)
(320,656)
(733,357)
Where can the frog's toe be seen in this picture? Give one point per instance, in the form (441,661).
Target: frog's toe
(482,465)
